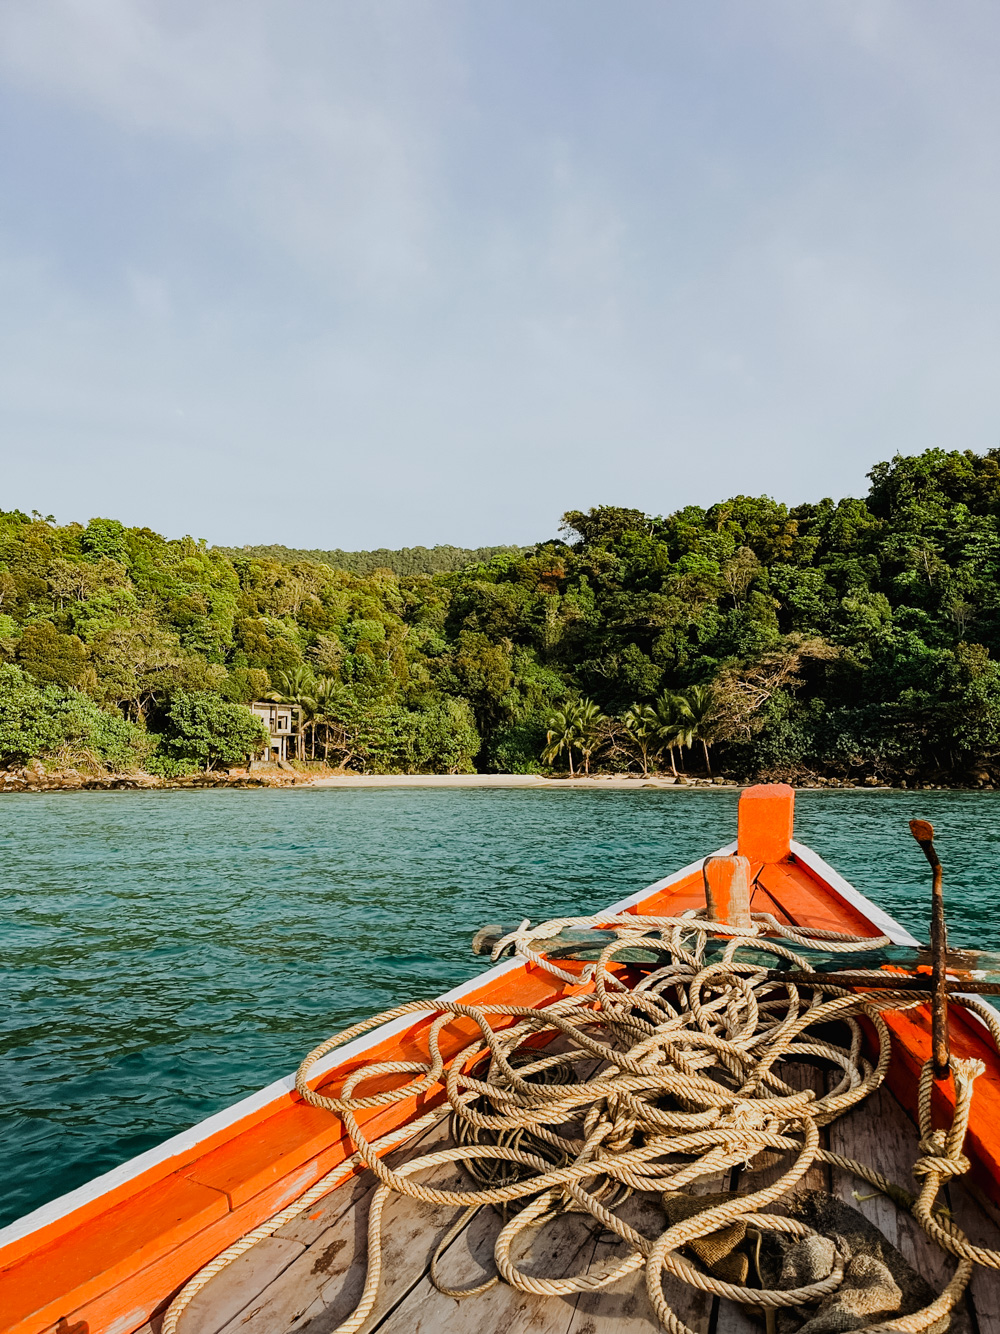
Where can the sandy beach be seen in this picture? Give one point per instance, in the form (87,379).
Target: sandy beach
(504,780)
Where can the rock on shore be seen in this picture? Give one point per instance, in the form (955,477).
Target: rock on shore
(34,777)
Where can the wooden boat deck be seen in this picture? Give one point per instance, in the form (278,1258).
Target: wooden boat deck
(309,1275)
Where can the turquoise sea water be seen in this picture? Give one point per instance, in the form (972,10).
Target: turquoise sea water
(164,953)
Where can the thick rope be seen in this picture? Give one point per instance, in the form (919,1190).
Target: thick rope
(650,1087)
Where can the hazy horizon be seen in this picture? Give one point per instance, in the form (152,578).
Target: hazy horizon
(429,272)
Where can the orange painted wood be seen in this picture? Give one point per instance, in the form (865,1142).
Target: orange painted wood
(765,821)
(129,1304)
(687,893)
(259,1158)
(531,987)
(911,1034)
(127,1190)
(728,887)
(97,1258)
(805,901)
(762,901)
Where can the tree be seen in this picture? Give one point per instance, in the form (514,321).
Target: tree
(578,726)
(561,736)
(667,725)
(589,722)
(50,656)
(325,694)
(29,725)
(296,687)
(640,728)
(698,707)
(43,720)
(201,728)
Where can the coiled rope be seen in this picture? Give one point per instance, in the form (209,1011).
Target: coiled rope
(683,1084)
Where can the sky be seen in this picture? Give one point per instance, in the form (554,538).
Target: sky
(366,273)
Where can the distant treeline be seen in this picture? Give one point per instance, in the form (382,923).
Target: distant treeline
(856,638)
(407,560)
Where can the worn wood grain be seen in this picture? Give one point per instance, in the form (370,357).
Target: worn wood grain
(624,1308)
(562,1248)
(763,1171)
(232,1291)
(879,1134)
(311,1225)
(766,1168)
(322,1287)
(981,1231)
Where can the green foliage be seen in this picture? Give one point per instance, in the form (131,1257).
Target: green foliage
(104,537)
(50,656)
(576,727)
(405,560)
(202,730)
(48,721)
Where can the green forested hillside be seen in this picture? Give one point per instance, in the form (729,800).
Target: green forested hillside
(854,638)
(405,560)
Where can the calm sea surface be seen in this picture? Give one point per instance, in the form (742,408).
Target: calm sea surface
(165,953)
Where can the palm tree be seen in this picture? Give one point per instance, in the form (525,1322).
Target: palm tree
(561,736)
(699,705)
(325,695)
(589,723)
(667,721)
(296,687)
(639,728)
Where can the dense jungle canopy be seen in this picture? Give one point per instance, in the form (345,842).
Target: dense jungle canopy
(858,637)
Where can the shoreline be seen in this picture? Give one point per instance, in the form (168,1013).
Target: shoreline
(34,778)
(514,780)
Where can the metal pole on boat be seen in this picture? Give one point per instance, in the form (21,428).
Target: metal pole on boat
(923,832)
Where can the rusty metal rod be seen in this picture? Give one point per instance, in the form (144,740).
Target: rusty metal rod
(884,982)
(923,832)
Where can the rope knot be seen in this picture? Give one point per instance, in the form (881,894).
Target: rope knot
(941,1167)
(935,1160)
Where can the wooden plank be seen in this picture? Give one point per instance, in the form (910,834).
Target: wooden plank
(232,1291)
(325,1283)
(762,901)
(563,1247)
(981,1231)
(334,1237)
(765,1169)
(911,1033)
(811,904)
(879,1134)
(316,1230)
(270,1151)
(624,1308)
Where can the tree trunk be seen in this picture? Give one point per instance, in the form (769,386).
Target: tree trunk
(704,746)
(569,752)
(673,766)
